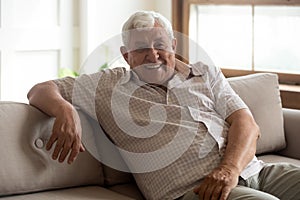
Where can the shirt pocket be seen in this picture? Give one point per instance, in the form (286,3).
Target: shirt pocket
(202,113)
(214,133)
(206,145)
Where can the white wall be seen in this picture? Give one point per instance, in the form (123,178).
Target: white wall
(104,19)
(39,38)
(164,7)
(36,40)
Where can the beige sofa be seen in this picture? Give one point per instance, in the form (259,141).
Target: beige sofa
(28,172)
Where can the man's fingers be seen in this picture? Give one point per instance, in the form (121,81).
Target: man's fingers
(63,148)
(208,192)
(225,193)
(82,149)
(51,141)
(202,190)
(212,191)
(66,149)
(66,133)
(74,152)
(217,192)
(58,148)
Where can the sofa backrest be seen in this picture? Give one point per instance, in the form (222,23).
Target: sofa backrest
(261,93)
(25,164)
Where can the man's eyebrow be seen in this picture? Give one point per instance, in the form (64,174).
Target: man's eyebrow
(143,43)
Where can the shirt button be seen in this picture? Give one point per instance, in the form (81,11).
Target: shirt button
(39,143)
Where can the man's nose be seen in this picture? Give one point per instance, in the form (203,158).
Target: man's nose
(152,55)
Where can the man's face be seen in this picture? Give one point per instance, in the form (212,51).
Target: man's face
(151,54)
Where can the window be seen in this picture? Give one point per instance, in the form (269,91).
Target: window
(263,38)
(224,32)
(245,36)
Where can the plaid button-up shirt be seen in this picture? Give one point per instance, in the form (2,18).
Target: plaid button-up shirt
(170,136)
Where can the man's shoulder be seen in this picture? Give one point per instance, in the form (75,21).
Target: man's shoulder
(196,69)
(117,71)
(103,78)
(109,74)
(200,68)
(116,75)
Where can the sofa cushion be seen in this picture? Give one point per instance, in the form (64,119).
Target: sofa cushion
(115,170)
(261,93)
(130,190)
(115,177)
(292,133)
(25,164)
(272,158)
(79,193)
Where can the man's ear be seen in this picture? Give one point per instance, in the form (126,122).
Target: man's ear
(124,52)
(174,44)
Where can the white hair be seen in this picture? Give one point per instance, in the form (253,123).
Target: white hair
(145,19)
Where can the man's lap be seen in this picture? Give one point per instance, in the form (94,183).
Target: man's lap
(238,193)
(281,180)
(275,181)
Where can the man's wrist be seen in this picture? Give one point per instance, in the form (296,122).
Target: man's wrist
(64,107)
(232,168)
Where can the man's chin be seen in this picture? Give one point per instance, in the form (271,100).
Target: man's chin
(154,75)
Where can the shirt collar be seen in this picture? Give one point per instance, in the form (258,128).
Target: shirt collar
(182,72)
(182,68)
(187,70)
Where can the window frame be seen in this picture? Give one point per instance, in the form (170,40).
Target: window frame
(180,22)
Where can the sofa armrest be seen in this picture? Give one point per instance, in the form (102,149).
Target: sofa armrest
(26,166)
(292,133)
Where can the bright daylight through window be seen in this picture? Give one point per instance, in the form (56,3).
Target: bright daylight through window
(260,38)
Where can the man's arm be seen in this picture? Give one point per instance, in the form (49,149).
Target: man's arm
(66,129)
(240,150)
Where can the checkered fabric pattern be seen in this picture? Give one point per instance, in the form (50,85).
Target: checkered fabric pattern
(170,136)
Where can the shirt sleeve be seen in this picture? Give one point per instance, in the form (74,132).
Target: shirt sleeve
(226,99)
(81,91)
(86,91)
(65,86)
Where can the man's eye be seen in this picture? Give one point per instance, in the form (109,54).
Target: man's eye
(140,49)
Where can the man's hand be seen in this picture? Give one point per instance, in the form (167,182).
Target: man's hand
(240,150)
(67,135)
(218,184)
(67,128)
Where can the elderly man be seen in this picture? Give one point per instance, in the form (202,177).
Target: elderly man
(202,134)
